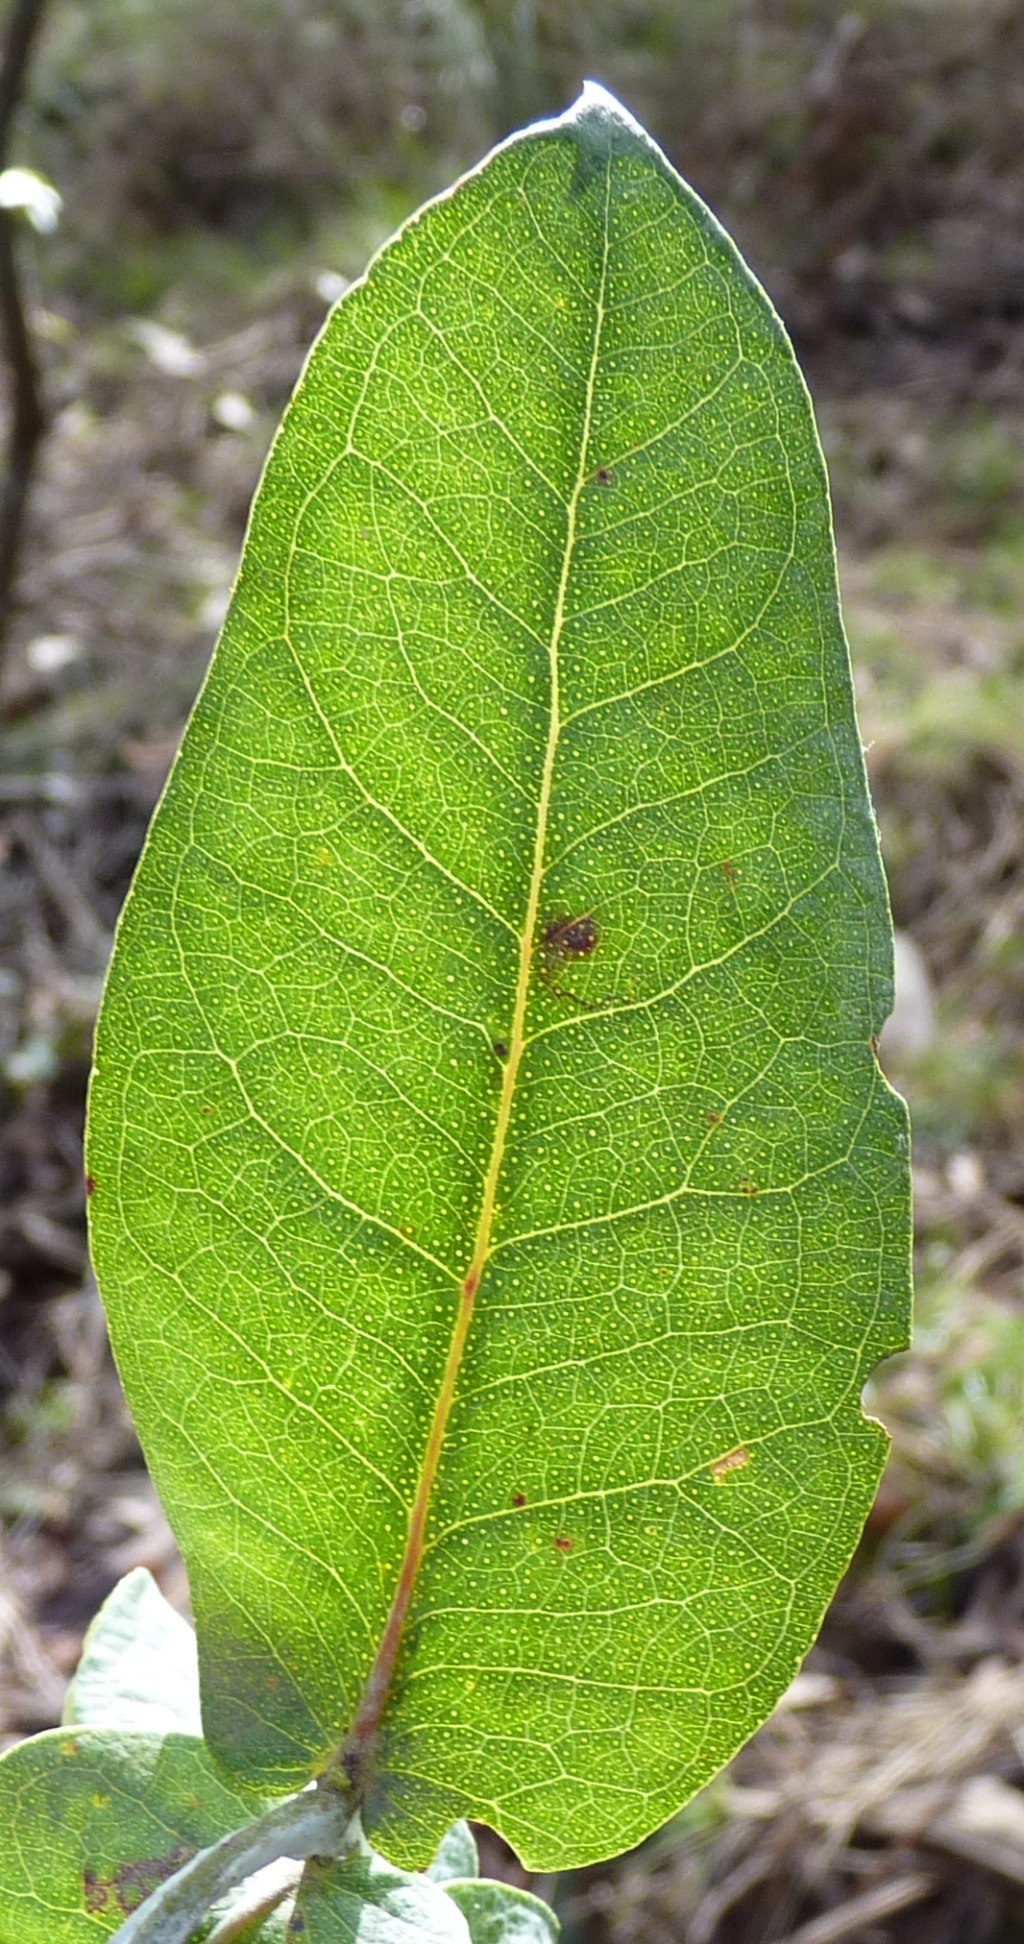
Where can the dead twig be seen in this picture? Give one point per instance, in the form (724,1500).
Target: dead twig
(715,1903)
(884,1901)
(61,885)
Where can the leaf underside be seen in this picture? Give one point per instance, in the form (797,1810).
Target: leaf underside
(536,637)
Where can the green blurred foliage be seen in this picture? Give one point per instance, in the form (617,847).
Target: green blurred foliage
(170,121)
(865,159)
(954,1407)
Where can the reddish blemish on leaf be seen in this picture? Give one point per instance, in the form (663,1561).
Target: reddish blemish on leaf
(518,1499)
(562,1545)
(746,1186)
(728,870)
(732,1461)
(713,1119)
(564,941)
(90,1185)
(603,476)
(125,1888)
(95,1892)
(570,938)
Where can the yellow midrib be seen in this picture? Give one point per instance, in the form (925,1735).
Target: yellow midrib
(357,1749)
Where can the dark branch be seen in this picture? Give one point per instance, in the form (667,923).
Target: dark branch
(23,24)
(28,419)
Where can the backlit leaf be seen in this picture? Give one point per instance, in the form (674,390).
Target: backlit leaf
(485,1095)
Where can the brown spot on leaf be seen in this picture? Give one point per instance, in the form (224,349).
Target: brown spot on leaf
(563,941)
(603,476)
(561,1544)
(570,938)
(500,1050)
(95,1892)
(125,1888)
(713,1119)
(90,1185)
(518,1499)
(732,1461)
(747,1187)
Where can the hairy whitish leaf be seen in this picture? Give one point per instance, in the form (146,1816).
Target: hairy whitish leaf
(498,1204)
(498,1914)
(457,1856)
(366,1901)
(94,1820)
(138,1669)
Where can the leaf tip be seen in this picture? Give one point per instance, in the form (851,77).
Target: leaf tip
(595,100)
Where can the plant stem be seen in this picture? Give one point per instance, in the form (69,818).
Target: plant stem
(253,1909)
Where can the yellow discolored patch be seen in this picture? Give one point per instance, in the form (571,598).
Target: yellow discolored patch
(731,1461)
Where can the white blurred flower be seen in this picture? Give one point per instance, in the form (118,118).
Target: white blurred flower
(169,351)
(47,654)
(330,286)
(232,410)
(25,190)
(215,607)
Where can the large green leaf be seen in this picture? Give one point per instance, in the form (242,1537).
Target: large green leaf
(498,1204)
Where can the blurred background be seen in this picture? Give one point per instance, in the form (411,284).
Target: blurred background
(226,166)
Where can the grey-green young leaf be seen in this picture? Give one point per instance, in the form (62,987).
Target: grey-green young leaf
(364,1898)
(138,1669)
(456,1855)
(496,1913)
